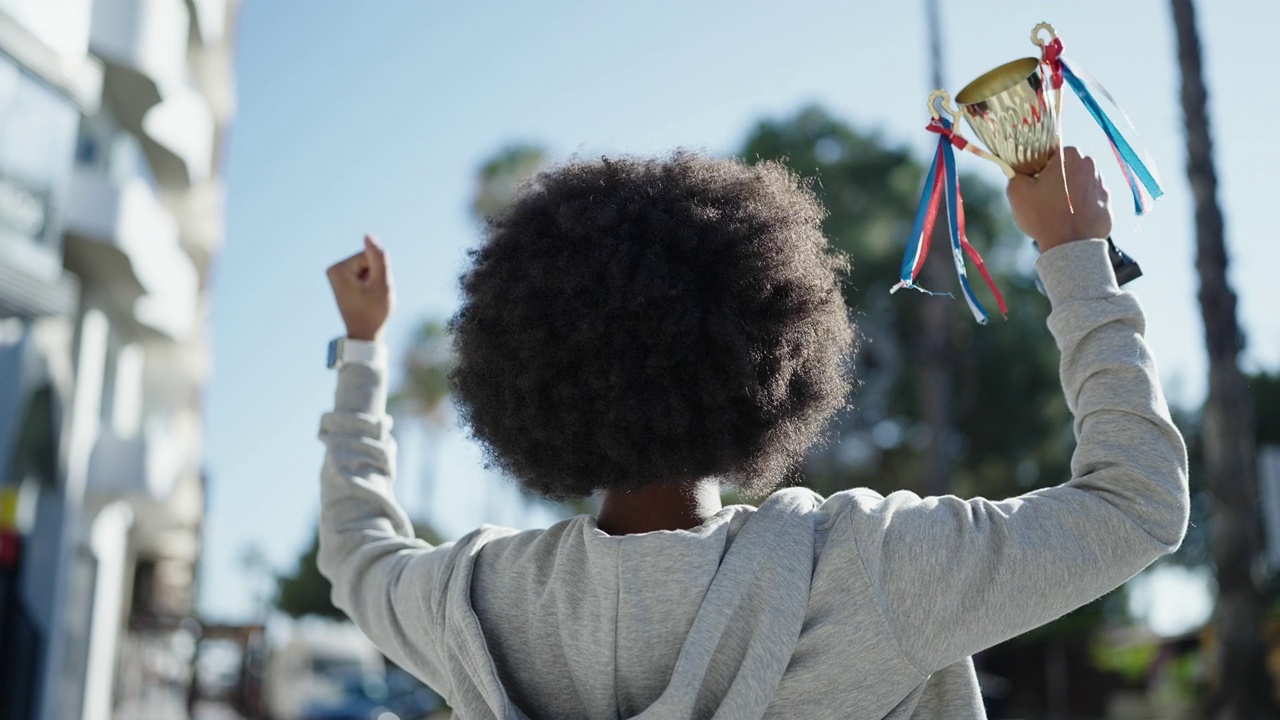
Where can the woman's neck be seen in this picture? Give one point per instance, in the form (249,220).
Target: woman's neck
(659,506)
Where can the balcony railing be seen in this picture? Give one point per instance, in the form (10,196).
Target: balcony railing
(124,242)
(143,467)
(144,46)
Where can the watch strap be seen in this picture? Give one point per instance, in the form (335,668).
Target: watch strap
(345,351)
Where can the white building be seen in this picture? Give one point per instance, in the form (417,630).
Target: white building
(112,120)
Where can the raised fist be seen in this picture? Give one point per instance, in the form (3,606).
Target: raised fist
(362,286)
(1040,206)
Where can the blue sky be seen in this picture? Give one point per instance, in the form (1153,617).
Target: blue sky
(372,117)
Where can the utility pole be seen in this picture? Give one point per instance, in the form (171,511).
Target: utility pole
(1230,432)
(936,346)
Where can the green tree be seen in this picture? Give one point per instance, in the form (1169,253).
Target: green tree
(306,592)
(1011,425)
(501,176)
(1010,430)
(427,365)
(423,393)
(429,360)
(1265,388)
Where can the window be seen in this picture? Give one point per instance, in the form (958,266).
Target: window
(103,145)
(37,136)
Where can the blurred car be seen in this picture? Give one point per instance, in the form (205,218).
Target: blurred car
(313,669)
(401,697)
(409,697)
(359,698)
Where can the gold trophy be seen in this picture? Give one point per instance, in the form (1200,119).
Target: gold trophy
(1012,114)
(1014,109)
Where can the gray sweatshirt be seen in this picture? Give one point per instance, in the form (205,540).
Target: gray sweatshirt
(854,606)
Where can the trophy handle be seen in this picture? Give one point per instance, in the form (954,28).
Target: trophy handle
(1125,267)
(942,99)
(1035,34)
(1043,45)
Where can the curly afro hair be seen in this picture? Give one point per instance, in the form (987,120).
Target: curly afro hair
(629,321)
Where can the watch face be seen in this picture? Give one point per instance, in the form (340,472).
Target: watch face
(334,346)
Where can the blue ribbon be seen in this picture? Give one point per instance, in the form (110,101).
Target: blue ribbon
(912,259)
(953,205)
(914,247)
(1134,169)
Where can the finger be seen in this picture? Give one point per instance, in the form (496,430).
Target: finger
(349,271)
(1058,160)
(1065,157)
(1019,185)
(376,258)
(350,266)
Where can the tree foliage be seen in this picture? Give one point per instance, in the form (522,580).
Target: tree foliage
(306,592)
(1014,431)
(1265,389)
(501,176)
(427,365)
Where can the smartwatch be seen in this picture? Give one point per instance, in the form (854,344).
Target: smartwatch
(345,351)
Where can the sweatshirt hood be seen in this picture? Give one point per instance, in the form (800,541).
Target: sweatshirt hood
(741,641)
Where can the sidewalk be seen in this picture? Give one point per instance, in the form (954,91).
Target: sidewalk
(214,711)
(160,707)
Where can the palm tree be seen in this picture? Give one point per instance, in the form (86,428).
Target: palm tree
(1239,653)
(501,176)
(936,389)
(427,364)
(426,373)
(424,390)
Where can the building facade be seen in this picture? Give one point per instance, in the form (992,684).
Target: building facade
(113,114)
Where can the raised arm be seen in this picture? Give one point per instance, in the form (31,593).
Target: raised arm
(384,578)
(956,576)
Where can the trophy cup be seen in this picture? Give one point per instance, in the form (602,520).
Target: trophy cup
(1015,110)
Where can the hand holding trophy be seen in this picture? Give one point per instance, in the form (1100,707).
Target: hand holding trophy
(1040,203)
(1011,111)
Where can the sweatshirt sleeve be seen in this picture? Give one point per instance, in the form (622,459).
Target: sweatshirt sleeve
(384,578)
(956,576)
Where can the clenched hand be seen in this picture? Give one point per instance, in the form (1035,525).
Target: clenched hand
(1040,206)
(362,286)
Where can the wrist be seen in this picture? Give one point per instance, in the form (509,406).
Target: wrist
(346,351)
(1077,270)
(1053,240)
(1048,243)
(364,335)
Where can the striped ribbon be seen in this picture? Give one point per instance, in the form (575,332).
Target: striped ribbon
(1136,172)
(942,183)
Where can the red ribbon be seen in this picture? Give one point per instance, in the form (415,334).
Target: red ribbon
(931,216)
(975,257)
(936,126)
(1053,58)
